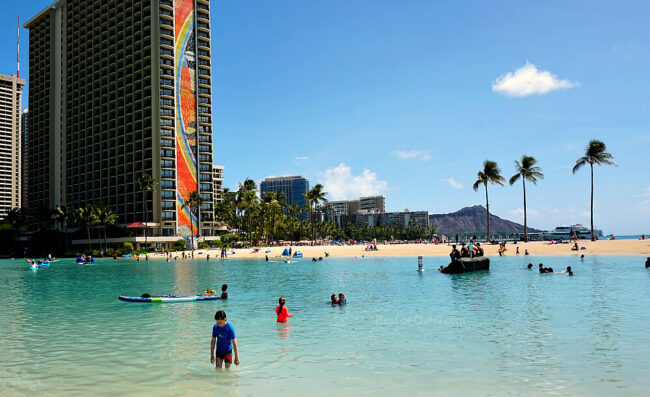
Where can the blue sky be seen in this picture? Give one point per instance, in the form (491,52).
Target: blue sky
(407,98)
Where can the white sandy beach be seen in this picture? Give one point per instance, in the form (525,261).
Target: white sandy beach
(603,247)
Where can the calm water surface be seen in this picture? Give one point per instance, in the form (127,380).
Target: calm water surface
(508,331)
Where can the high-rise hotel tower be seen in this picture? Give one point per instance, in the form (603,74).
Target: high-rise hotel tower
(120,88)
(11,93)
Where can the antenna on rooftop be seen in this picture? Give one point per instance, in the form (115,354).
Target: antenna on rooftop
(18,54)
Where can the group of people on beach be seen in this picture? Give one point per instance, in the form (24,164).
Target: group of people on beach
(469,251)
(372,247)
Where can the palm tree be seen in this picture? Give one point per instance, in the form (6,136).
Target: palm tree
(17,220)
(490,174)
(313,197)
(64,215)
(246,203)
(106,216)
(526,170)
(147,184)
(86,217)
(194,202)
(595,153)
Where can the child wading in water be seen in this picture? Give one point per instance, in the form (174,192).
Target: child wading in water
(223,336)
(282,311)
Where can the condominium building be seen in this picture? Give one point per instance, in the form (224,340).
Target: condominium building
(392,218)
(24,123)
(217,183)
(342,212)
(118,89)
(293,187)
(11,92)
(373,203)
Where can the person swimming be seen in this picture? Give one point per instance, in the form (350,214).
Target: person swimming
(569,271)
(224,292)
(530,266)
(209,292)
(342,300)
(334,300)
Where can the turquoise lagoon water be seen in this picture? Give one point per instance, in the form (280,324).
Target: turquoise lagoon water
(508,331)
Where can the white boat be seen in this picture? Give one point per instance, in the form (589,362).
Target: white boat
(567,232)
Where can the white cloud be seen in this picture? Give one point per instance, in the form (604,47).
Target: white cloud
(453,183)
(528,80)
(421,155)
(298,160)
(645,196)
(341,184)
(532,213)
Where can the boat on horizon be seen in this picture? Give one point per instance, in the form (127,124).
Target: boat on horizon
(566,232)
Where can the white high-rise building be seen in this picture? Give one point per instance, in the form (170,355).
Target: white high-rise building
(11,92)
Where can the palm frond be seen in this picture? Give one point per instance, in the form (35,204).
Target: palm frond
(514,178)
(477,184)
(579,163)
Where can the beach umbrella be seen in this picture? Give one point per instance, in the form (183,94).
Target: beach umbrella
(138,225)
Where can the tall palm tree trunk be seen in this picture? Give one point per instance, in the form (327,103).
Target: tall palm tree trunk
(146,215)
(523,180)
(90,246)
(487,208)
(311,219)
(593,236)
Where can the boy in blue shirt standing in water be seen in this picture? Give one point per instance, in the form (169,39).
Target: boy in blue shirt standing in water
(223,336)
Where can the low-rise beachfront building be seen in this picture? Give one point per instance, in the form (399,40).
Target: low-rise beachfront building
(119,89)
(404,218)
(11,93)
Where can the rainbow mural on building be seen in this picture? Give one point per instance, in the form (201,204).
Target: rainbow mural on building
(186,115)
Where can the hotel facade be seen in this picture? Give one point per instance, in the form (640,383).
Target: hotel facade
(118,89)
(11,92)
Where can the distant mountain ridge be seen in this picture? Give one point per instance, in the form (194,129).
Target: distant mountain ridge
(474,220)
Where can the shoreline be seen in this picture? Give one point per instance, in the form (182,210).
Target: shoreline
(601,247)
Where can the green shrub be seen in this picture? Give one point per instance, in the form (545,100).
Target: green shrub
(180,244)
(127,246)
(203,245)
